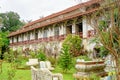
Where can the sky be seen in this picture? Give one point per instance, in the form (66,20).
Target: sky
(34,9)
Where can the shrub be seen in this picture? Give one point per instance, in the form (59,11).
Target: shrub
(103,52)
(11,69)
(41,55)
(85,57)
(65,59)
(94,76)
(52,60)
(32,54)
(19,60)
(9,56)
(11,74)
(75,44)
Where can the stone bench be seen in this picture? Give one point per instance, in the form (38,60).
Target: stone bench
(46,64)
(32,62)
(44,74)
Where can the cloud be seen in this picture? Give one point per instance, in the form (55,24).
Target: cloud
(33,9)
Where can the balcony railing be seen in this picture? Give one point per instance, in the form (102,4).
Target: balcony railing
(47,39)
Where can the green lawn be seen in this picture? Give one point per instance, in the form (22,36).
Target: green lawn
(20,74)
(66,76)
(26,74)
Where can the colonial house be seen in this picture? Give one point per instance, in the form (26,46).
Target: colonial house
(50,31)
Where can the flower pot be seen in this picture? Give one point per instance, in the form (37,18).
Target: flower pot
(90,66)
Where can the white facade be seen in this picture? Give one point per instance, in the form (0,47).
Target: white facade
(52,30)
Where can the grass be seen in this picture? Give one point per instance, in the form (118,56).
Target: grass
(20,74)
(66,76)
(26,74)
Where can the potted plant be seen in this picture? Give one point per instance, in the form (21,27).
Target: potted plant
(86,66)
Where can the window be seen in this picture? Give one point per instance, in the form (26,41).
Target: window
(56,31)
(23,37)
(12,39)
(17,37)
(69,29)
(36,34)
(28,36)
(79,27)
(45,33)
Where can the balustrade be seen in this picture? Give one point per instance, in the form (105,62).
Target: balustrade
(47,39)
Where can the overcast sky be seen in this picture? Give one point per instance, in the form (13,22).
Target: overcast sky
(33,9)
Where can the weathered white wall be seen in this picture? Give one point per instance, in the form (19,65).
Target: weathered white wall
(49,32)
(10,40)
(73,28)
(85,28)
(86,39)
(52,31)
(64,29)
(32,35)
(61,30)
(25,37)
(15,39)
(19,38)
(39,34)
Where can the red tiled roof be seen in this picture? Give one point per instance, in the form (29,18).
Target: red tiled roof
(56,14)
(64,11)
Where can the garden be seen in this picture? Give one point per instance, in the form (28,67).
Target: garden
(69,62)
(73,60)
(14,63)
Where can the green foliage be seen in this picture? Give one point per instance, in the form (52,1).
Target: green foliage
(11,74)
(4,42)
(85,57)
(38,54)
(41,55)
(103,51)
(26,74)
(9,56)
(11,69)
(94,40)
(3,39)
(93,76)
(106,38)
(18,57)
(52,60)
(75,44)
(103,25)
(65,59)
(18,60)
(108,29)
(11,21)
(32,54)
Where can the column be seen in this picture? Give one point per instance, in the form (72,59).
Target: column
(15,40)
(64,29)
(10,39)
(73,28)
(61,29)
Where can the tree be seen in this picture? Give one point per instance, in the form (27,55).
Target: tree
(4,42)
(11,21)
(65,60)
(108,28)
(75,44)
